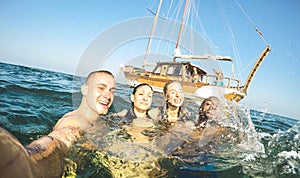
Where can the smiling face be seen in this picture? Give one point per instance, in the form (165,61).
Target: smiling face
(174,94)
(99,92)
(142,98)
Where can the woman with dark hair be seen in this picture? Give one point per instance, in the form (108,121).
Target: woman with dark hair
(141,100)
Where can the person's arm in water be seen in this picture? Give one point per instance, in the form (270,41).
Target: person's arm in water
(42,158)
(14,158)
(45,156)
(50,151)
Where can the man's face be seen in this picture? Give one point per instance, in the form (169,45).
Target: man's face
(175,94)
(210,108)
(100,95)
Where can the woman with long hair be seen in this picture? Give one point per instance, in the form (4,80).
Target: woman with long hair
(172,111)
(141,100)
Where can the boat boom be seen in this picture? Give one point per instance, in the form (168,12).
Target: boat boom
(221,58)
(261,58)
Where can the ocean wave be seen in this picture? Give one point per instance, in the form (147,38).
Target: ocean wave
(37,89)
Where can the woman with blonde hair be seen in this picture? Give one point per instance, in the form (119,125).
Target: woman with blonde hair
(172,111)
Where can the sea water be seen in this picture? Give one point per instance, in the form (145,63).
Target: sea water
(32,100)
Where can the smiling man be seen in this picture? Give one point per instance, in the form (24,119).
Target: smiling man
(45,157)
(97,97)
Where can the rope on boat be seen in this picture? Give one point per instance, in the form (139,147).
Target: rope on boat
(256,29)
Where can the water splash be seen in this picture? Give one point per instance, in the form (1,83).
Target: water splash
(235,138)
(282,156)
(33,100)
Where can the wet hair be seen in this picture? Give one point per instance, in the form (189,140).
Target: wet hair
(209,99)
(164,116)
(132,104)
(140,85)
(97,72)
(202,120)
(137,87)
(167,84)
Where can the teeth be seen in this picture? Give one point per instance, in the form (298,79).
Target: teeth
(103,102)
(177,101)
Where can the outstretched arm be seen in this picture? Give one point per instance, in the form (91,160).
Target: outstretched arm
(15,161)
(47,153)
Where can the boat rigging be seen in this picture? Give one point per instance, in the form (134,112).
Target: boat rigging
(196,81)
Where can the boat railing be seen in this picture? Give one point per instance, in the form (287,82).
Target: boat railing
(228,82)
(207,79)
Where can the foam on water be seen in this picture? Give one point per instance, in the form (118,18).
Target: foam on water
(282,156)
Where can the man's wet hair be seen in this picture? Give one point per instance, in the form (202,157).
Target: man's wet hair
(97,72)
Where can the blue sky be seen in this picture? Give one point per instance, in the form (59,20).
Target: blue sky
(54,34)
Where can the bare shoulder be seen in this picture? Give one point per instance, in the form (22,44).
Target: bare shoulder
(68,120)
(154,113)
(120,114)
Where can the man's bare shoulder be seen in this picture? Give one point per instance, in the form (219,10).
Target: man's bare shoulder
(68,120)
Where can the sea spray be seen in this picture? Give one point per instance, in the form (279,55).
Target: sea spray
(281,158)
(241,119)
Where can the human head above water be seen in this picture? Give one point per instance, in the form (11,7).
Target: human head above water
(98,72)
(139,86)
(141,97)
(173,93)
(98,91)
(209,107)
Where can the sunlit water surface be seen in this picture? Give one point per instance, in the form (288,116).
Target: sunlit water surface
(256,144)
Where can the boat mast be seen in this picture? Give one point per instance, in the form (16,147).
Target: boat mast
(261,58)
(180,30)
(152,31)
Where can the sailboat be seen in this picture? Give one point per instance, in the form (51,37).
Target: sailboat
(195,80)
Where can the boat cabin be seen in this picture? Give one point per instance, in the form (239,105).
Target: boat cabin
(181,71)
